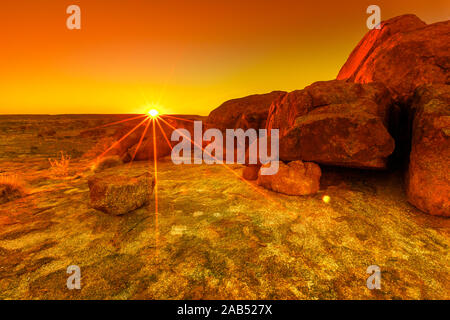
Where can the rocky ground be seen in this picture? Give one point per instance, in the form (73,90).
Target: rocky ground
(214,236)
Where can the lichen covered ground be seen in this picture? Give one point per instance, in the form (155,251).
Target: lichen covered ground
(214,236)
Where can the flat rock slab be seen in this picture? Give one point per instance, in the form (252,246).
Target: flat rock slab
(214,236)
(120,190)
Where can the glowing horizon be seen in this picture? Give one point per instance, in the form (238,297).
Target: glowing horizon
(189,60)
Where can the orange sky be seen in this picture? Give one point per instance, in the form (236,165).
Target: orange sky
(189,56)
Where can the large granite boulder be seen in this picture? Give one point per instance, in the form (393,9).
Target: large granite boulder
(404,54)
(335,123)
(428,179)
(244,113)
(119,190)
(296,178)
(146,150)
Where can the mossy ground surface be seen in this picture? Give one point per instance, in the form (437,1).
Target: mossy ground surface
(215,236)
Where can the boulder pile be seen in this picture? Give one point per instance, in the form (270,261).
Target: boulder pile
(392,94)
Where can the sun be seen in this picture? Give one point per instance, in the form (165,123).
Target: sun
(153,113)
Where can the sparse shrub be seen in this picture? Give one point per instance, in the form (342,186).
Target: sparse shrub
(107,162)
(11,187)
(60,167)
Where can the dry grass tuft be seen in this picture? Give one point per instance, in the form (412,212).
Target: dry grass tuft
(11,187)
(60,167)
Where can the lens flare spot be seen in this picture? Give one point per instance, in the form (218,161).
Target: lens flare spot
(326,199)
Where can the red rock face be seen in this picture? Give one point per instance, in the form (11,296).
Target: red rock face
(245,113)
(428,179)
(297,178)
(334,123)
(404,54)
